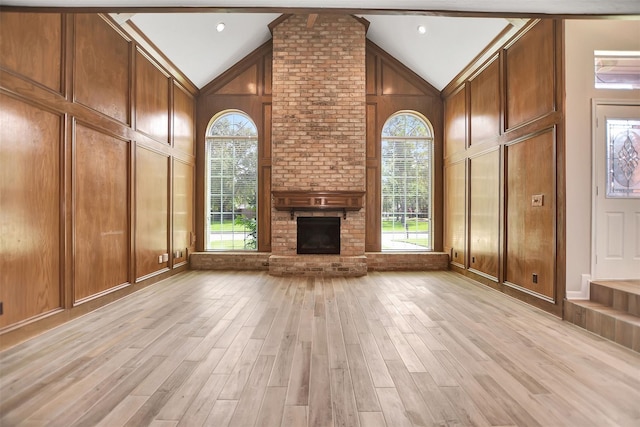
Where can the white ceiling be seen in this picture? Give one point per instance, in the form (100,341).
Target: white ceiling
(191,42)
(438,56)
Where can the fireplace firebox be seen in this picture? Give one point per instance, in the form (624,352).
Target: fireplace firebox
(318,235)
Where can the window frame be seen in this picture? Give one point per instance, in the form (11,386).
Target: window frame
(430,141)
(252,231)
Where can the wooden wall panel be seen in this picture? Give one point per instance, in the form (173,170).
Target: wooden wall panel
(183,120)
(31,45)
(530,75)
(264,178)
(152,179)
(530,170)
(373,209)
(101,212)
(264,203)
(373,139)
(30,243)
(485,104)
(484,208)
(267,110)
(183,180)
(267,74)
(373,221)
(372,74)
(393,82)
(455,123)
(102,67)
(246,83)
(152,99)
(455,208)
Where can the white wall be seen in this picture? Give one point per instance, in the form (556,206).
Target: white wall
(582,37)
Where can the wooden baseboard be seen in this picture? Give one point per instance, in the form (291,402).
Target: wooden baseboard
(554,308)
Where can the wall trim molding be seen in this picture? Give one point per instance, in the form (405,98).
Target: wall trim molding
(583,293)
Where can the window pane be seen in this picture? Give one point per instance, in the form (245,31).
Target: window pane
(232,181)
(406,183)
(617,69)
(623,158)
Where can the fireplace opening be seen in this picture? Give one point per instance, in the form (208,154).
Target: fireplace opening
(318,235)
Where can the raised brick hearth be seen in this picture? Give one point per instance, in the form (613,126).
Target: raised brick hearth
(316,265)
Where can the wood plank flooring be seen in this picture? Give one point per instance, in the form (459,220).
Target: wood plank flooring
(248,349)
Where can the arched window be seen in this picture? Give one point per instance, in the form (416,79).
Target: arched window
(407,174)
(231,182)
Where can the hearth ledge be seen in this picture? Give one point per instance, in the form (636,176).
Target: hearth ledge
(318,265)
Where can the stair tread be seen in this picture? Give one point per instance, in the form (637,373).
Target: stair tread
(629,286)
(608,310)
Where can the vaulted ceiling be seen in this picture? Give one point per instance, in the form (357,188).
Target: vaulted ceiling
(455,31)
(193,44)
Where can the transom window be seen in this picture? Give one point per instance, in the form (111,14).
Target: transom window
(616,69)
(231,180)
(407,174)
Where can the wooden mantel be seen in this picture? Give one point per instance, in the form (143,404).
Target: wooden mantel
(318,200)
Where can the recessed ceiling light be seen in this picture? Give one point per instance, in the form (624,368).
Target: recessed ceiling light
(220,27)
(422,29)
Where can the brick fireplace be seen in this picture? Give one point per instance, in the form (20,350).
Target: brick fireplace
(318,137)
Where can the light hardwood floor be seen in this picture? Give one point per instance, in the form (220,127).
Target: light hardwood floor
(249,349)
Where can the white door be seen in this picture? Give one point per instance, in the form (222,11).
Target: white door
(616,156)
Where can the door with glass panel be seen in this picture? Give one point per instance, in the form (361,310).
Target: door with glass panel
(616,218)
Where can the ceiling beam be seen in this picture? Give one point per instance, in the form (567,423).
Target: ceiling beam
(311,20)
(306,11)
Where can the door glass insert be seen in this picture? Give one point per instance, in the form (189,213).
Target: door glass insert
(623,158)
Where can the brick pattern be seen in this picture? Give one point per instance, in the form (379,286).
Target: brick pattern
(229,261)
(407,261)
(318,120)
(318,265)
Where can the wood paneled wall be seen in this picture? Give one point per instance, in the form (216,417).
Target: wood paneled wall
(504,151)
(245,87)
(97,166)
(392,87)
